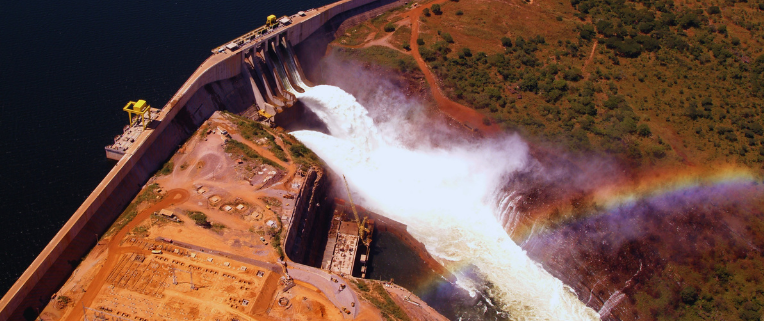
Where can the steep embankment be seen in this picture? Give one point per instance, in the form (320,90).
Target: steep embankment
(632,109)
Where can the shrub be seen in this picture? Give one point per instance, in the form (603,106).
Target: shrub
(436,9)
(714,10)
(689,20)
(506,42)
(426,12)
(166,169)
(573,74)
(614,102)
(200,219)
(644,130)
(427,54)
(658,151)
(406,46)
(587,32)
(389,27)
(459,12)
(467,52)
(447,37)
(420,41)
(689,295)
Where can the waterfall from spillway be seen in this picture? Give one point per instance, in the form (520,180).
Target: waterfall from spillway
(448,197)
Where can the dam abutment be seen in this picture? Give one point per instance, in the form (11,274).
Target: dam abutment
(218,84)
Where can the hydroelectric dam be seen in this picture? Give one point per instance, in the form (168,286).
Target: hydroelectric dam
(256,75)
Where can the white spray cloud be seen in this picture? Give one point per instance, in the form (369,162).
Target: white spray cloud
(446,196)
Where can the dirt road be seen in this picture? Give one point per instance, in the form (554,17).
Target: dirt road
(459,112)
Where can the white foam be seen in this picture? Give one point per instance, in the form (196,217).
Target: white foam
(447,197)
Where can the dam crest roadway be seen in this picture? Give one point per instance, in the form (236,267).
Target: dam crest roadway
(216,84)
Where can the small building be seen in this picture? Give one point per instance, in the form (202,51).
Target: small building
(285,21)
(232,46)
(301,13)
(170,215)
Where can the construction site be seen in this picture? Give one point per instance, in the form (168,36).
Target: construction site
(226,232)
(209,214)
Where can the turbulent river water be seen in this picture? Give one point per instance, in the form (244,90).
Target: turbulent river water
(450,199)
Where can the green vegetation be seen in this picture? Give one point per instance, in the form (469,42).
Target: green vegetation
(271,201)
(275,234)
(252,130)
(667,83)
(166,168)
(389,27)
(355,36)
(141,230)
(382,56)
(217,228)
(378,296)
(148,194)
(436,9)
(301,154)
(426,12)
(199,218)
(236,147)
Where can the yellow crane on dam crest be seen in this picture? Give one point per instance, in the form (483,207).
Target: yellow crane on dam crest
(141,110)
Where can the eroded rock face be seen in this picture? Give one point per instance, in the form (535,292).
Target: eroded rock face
(694,252)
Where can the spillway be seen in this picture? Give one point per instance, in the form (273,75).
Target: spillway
(449,198)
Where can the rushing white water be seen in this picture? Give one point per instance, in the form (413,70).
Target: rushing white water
(447,197)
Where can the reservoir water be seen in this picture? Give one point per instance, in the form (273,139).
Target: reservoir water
(68,67)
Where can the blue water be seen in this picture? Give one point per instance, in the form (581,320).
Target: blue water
(68,67)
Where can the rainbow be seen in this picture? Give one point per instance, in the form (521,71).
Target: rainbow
(611,199)
(653,186)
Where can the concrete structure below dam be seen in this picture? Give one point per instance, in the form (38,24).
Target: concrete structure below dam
(256,75)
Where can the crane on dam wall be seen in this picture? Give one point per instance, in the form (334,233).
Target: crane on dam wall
(363,230)
(141,110)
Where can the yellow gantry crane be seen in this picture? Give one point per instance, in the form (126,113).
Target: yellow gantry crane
(141,110)
(271,21)
(362,229)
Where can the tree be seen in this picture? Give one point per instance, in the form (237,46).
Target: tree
(406,46)
(389,27)
(426,12)
(459,12)
(644,130)
(467,52)
(427,54)
(629,48)
(506,42)
(573,74)
(529,83)
(199,218)
(689,295)
(714,10)
(420,41)
(436,9)
(447,37)
(689,20)
(587,32)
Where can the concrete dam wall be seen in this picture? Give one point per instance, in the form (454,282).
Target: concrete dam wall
(254,79)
